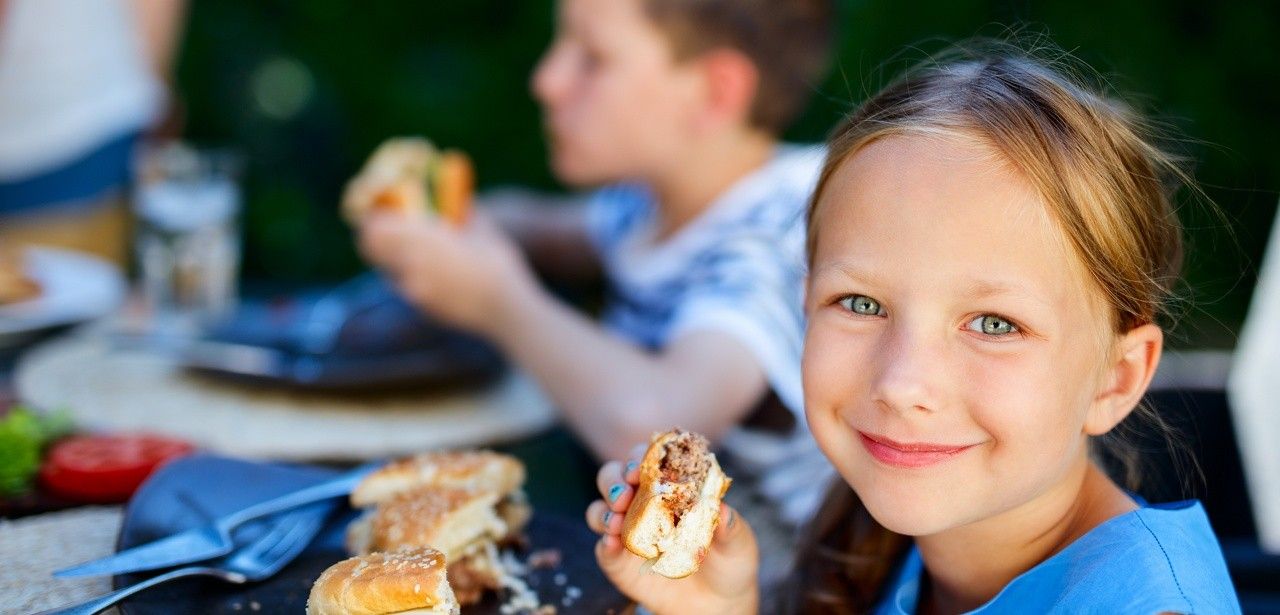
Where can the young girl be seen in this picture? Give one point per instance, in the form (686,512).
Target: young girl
(989,245)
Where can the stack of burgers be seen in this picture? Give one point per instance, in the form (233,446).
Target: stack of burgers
(451,510)
(428,540)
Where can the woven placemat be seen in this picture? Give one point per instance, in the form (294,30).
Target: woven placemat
(33,547)
(113,389)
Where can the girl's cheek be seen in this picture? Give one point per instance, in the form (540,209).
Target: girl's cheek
(835,367)
(1019,401)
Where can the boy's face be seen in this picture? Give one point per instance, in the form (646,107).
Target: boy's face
(955,344)
(616,104)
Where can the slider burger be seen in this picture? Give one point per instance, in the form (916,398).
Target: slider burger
(471,470)
(408,175)
(462,503)
(465,470)
(403,582)
(677,504)
(454,521)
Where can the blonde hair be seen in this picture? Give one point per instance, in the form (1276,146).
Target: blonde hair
(1092,159)
(1105,182)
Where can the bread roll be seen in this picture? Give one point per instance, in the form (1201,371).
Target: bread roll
(402,582)
(461,503)
(676,508)
(471,470)
(450,520)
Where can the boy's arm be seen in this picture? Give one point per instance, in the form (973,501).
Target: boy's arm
(612,392)
(550,228)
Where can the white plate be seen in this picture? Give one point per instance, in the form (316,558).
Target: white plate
(74,287)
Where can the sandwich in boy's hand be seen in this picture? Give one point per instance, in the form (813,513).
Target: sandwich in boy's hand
(409,581)
(463,504)
(409,176)
(677,503)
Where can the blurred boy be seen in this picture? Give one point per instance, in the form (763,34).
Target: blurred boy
(675,106)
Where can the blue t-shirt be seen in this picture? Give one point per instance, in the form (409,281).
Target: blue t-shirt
(1159,558)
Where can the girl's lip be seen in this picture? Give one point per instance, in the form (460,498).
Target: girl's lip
(909,455)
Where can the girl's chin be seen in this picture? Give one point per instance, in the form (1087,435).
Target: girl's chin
(902,509)
(909,519)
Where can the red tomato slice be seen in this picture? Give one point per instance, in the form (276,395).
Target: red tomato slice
(104,469)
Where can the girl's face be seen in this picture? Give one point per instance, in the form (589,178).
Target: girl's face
(955,344)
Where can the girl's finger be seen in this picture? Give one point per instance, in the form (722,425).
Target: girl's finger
(608,550)
(631,470)
(638,451)
(729,522)
(613,488)
(595,516)
(733,534)
(609,473)
(601,520)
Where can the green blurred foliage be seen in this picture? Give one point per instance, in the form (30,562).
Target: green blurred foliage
(307,89)
(23,436)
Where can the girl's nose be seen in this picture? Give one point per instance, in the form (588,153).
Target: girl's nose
(909,373)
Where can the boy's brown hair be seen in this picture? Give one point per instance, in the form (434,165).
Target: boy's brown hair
(789,41)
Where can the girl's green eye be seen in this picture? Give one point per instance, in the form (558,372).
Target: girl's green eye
(862,304)
(992,325)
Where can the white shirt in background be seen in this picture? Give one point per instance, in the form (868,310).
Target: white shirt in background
(73,75)
(737,268)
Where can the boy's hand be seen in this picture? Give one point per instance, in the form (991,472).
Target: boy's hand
(726,581)
(464,276)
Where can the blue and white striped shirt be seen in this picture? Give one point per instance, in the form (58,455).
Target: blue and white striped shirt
(737,268)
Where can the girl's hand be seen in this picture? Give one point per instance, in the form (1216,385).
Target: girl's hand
(726,581)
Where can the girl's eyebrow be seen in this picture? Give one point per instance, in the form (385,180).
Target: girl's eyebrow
(975,288)
(979,288)
(848,269)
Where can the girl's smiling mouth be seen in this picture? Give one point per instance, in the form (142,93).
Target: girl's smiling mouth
(909,455)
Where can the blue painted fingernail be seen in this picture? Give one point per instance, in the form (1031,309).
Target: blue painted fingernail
(608,514)
(733,516)
(631,465)
(615,491)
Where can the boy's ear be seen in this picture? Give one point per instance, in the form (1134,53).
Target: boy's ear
(732,81)
(1133,365)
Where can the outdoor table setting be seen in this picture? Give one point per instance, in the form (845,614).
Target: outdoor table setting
(638,308)
(240,430)
(188,406)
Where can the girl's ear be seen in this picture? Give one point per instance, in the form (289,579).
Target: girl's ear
(1127,378)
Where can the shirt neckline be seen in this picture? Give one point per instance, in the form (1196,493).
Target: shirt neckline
(907,590)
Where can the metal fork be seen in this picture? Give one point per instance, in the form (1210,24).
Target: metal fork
(212,540)
(289,535)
